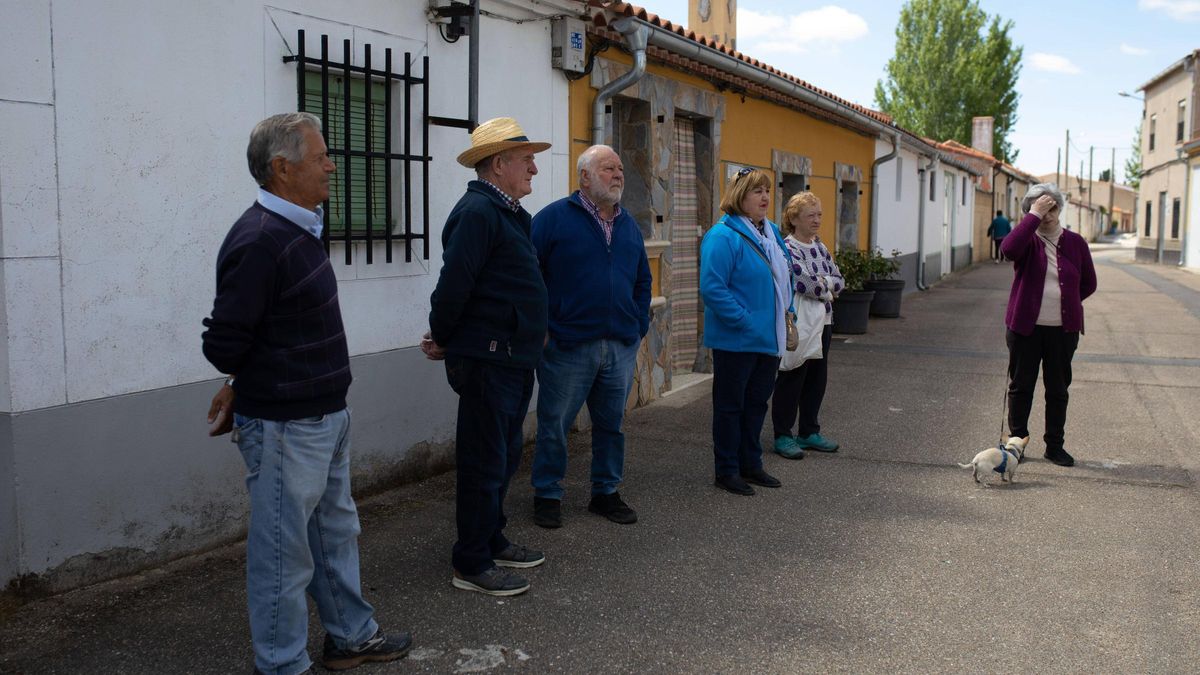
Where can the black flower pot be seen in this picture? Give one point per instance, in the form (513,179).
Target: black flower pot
(851,311)
(887,297)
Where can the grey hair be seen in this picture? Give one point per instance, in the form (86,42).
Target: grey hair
(587,158)
(278,136)
(1039,190)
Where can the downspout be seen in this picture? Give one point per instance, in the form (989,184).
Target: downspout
(921,223)
(473,68)
(874,237)
(636,34)
(1187,191)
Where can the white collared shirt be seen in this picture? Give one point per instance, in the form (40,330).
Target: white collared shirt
(312,222)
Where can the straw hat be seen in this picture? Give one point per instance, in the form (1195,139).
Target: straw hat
(494,136)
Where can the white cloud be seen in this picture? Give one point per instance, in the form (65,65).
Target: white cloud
(1183,10)
(1133,51)
(1053,63)
(822,28)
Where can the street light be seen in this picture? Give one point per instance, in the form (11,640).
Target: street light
(1129,95)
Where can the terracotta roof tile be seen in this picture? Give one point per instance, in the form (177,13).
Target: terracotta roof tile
(627,9)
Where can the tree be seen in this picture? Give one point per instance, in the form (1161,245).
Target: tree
(952,63)
(1133,165)
(1105,176)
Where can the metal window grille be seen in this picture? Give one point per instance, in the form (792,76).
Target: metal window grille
(357,108)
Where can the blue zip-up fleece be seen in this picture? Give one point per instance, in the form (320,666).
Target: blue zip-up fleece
(490,300)
(738,289)
(597,290)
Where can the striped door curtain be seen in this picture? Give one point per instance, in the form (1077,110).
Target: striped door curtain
(685,251)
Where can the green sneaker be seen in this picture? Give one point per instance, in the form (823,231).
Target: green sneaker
(816,442)
(787,446)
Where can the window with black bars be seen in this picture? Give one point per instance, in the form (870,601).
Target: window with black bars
(372,189)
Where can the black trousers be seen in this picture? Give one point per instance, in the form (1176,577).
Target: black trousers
(1049,349)
(742,384)
(801,391)
(492,401)
(996,248)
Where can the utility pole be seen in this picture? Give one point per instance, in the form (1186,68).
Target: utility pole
(1112,188)
(1067,163)
(1091,152)
(1058,169)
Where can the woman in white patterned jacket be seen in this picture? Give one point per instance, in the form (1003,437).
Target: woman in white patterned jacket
(799,390)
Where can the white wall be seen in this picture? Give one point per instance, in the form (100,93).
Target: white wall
(1192,221)
(897,218)
(123,167)
(137,141)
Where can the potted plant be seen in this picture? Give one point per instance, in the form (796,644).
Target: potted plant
(882,279)
(851,309)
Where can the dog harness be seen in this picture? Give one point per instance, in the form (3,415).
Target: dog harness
(1003,462)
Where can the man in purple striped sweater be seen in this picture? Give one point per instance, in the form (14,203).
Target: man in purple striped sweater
(277,324)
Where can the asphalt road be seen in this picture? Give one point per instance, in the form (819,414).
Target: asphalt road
(884,557)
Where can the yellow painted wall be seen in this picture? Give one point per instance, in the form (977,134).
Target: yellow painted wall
(751,129)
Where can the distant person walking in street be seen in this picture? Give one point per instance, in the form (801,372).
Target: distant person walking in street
(800,386)
(488,321)
(593,260)
(746,286)
(1053,275)
(998,230)
(277,326)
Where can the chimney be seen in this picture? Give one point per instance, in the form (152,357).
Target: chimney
(715,19)
(981,134)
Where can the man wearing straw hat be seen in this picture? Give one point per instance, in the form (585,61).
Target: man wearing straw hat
(488,321)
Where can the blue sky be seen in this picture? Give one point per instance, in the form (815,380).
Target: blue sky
(1078,55)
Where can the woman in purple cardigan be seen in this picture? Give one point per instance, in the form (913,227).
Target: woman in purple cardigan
(1053,276)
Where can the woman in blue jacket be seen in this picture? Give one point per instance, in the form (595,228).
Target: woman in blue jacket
(746,286)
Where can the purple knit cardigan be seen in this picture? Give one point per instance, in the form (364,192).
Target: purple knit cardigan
(1076,276)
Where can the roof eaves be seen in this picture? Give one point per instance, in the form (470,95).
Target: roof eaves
(626,9)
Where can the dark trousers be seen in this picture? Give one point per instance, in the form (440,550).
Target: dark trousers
(742,383)
(801,390)
(492,404)
(1049,348)
(996,248)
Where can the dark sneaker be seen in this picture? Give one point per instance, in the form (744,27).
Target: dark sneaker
(547,512)
(377,649)
(762,478)
(492,581)
(1060,457)
(612,507)
(734,484)
(519,556)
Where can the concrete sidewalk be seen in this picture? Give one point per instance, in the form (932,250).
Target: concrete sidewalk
(884,557)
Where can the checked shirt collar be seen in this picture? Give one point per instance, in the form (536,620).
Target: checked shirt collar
(513,204)
(606,226)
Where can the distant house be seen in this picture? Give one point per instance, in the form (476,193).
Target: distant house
(1169,123)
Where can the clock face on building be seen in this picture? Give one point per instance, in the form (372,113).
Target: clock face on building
(705,9)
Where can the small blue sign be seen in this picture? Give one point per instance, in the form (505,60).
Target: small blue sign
(576,40)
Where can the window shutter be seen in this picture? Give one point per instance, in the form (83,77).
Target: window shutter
(336,219)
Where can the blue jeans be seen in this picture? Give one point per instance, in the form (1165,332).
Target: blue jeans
(742,383)
(598,372)
(492,401)
(302,520)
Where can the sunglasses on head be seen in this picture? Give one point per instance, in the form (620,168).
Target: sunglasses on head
(744,171)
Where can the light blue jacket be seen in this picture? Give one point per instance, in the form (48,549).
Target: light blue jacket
(738,289)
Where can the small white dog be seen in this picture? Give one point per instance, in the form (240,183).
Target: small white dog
(1002,461)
